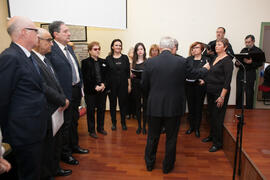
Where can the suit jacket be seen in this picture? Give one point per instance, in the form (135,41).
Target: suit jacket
(62,68)
(89,74)
(22,101)
(52,89)
(163,81)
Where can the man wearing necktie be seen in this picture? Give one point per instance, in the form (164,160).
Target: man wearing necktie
(67,70)
(22,101)
(55,99)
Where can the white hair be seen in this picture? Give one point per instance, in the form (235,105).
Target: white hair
(166,42)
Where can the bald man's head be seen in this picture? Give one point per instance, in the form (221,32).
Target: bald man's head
(22,31)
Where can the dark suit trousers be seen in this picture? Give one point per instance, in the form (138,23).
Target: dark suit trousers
(154,127)
(95,101)
(249,90)
(217,116)
(120,92)
(28,161)
(70,126)
(195,98)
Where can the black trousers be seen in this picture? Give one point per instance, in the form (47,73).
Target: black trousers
(95,101)
(28,161)
(249,90)
(120,92)
(131,104)
(216,116)
(70,126)
(154,126)
(57,150)
(195,98)
(140,102)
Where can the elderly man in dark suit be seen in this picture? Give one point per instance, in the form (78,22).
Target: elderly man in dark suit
(163,81)
(22,101)
(56,99)
(67,70)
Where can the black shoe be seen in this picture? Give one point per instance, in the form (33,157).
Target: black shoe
(139,130)
(134,117)
(214,148)
(102,132)
(63,172)
(70,160)
(124,127)
(189,131)
(207,139)
(149,168)
(113,127)
(197,133)
(167,170)
(163,130)
(79,150)
(93,135)
(127,116)
(144,131)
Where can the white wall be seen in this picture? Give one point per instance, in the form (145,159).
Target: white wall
(196,20)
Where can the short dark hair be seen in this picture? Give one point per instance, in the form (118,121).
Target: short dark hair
(223,29)
(55,27)
(250,36)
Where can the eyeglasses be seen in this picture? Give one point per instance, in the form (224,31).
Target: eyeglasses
(32,29)
(48,39)
(96,49)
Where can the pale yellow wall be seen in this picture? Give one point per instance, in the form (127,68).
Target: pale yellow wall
(5,40)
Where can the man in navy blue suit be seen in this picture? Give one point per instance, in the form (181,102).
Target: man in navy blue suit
(22,102)
(68,72)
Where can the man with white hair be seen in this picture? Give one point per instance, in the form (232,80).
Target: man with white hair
(163,81)
(22,102)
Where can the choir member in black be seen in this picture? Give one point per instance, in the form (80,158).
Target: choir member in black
(94,71)
(131,103)
(211,52)
(218,83)
(251,65)
(119,80)
(138,62)
(195,89)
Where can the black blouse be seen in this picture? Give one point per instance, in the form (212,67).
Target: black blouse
(196,64)
(220,75)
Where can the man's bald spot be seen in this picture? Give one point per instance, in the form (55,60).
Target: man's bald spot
(17,23)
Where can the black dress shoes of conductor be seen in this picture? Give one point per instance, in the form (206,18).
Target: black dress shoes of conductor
(70,160)
(63,172)
(79,150)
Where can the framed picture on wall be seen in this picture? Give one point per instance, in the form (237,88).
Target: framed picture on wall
(78,33)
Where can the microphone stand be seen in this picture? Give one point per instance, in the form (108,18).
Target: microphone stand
(240,124)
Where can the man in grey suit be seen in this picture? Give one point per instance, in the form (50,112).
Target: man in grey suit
(163,81)
(55,99)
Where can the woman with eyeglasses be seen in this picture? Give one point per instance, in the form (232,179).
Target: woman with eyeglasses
(94,71)
(120,84)
(195,89)
(138,62)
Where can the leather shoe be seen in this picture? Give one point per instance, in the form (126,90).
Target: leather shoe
(124,127)
(70,160)
(63,172)
(167,170)
(149,168)
(189,131)
(144,131)
(93,135)
(113,127)
(197,133)
(214,148)
(102,132)
(139,130)
(163,130)
(207,139)
(79,150)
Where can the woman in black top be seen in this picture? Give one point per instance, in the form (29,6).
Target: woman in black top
(195,89)
(119,78)
(138,65)
(94,71)
(218,83)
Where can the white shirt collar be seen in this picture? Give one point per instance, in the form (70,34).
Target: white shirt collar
(27,53)
(42,57)
(62,47)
